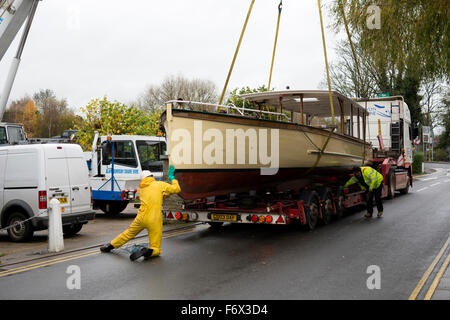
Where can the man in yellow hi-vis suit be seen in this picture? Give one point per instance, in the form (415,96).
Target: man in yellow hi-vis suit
(370,180)
(151,194)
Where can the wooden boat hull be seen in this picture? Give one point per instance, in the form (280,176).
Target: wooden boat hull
(296,146)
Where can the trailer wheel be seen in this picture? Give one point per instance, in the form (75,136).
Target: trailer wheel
(391,185)
(339,203)
(312,213)
(327,208)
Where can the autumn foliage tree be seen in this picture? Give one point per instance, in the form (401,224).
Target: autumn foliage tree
(108,117)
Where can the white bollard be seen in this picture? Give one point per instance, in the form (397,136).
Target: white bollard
(55,233)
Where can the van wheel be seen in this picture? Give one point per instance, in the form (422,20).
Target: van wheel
(22,231)
(72,229)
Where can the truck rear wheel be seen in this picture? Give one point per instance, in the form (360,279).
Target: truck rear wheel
(391,185)
(406,189)
(72,229)
(22,231)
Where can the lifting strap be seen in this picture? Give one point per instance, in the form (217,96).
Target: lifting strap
(280,8)
(236,52)
(341,7)
(329,92)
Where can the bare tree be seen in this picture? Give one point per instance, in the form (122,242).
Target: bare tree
(344,77)
(433,91)
(54,113)
(177,87)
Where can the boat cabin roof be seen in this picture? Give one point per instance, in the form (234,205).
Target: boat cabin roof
(315,102)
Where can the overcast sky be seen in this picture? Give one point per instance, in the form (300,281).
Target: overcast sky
(84,49)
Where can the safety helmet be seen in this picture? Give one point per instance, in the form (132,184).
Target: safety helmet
(145,174)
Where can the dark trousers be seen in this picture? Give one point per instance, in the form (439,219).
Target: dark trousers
(377,194)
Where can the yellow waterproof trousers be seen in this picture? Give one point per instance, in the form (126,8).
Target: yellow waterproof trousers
(151,194)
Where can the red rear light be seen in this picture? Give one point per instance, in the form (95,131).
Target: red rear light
(92,201)
(269,219)
(42,196)
(254,218)
(178,215)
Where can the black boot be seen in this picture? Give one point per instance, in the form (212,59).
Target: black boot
(141,252)
(106,248)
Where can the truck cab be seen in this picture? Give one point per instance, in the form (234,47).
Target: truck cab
(395,121)
(132,155)
(115,166)
(12,133)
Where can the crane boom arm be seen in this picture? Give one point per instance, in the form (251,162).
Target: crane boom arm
(13,14)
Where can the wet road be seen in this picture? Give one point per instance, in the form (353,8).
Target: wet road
(266,262)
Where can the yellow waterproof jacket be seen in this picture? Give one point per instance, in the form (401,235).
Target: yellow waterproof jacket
(152,193)
(371,177)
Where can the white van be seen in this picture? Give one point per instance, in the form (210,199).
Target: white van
(31,175)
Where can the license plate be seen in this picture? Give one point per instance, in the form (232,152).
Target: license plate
(223,217)
(62,200)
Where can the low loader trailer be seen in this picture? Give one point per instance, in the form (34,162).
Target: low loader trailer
(307,207)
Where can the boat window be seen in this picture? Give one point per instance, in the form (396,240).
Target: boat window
(123,153)
(3,139)
(149,153)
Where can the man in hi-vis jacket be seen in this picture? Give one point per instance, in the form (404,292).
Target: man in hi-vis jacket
(369,180)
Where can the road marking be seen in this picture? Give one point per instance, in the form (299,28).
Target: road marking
(422,189)
(429,179)
(427,273)
(435,184)
(45,264)
(76,256)
(437,279)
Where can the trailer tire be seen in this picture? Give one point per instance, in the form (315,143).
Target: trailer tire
(391,185)
(339,203)
(327,208)
(311,198)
